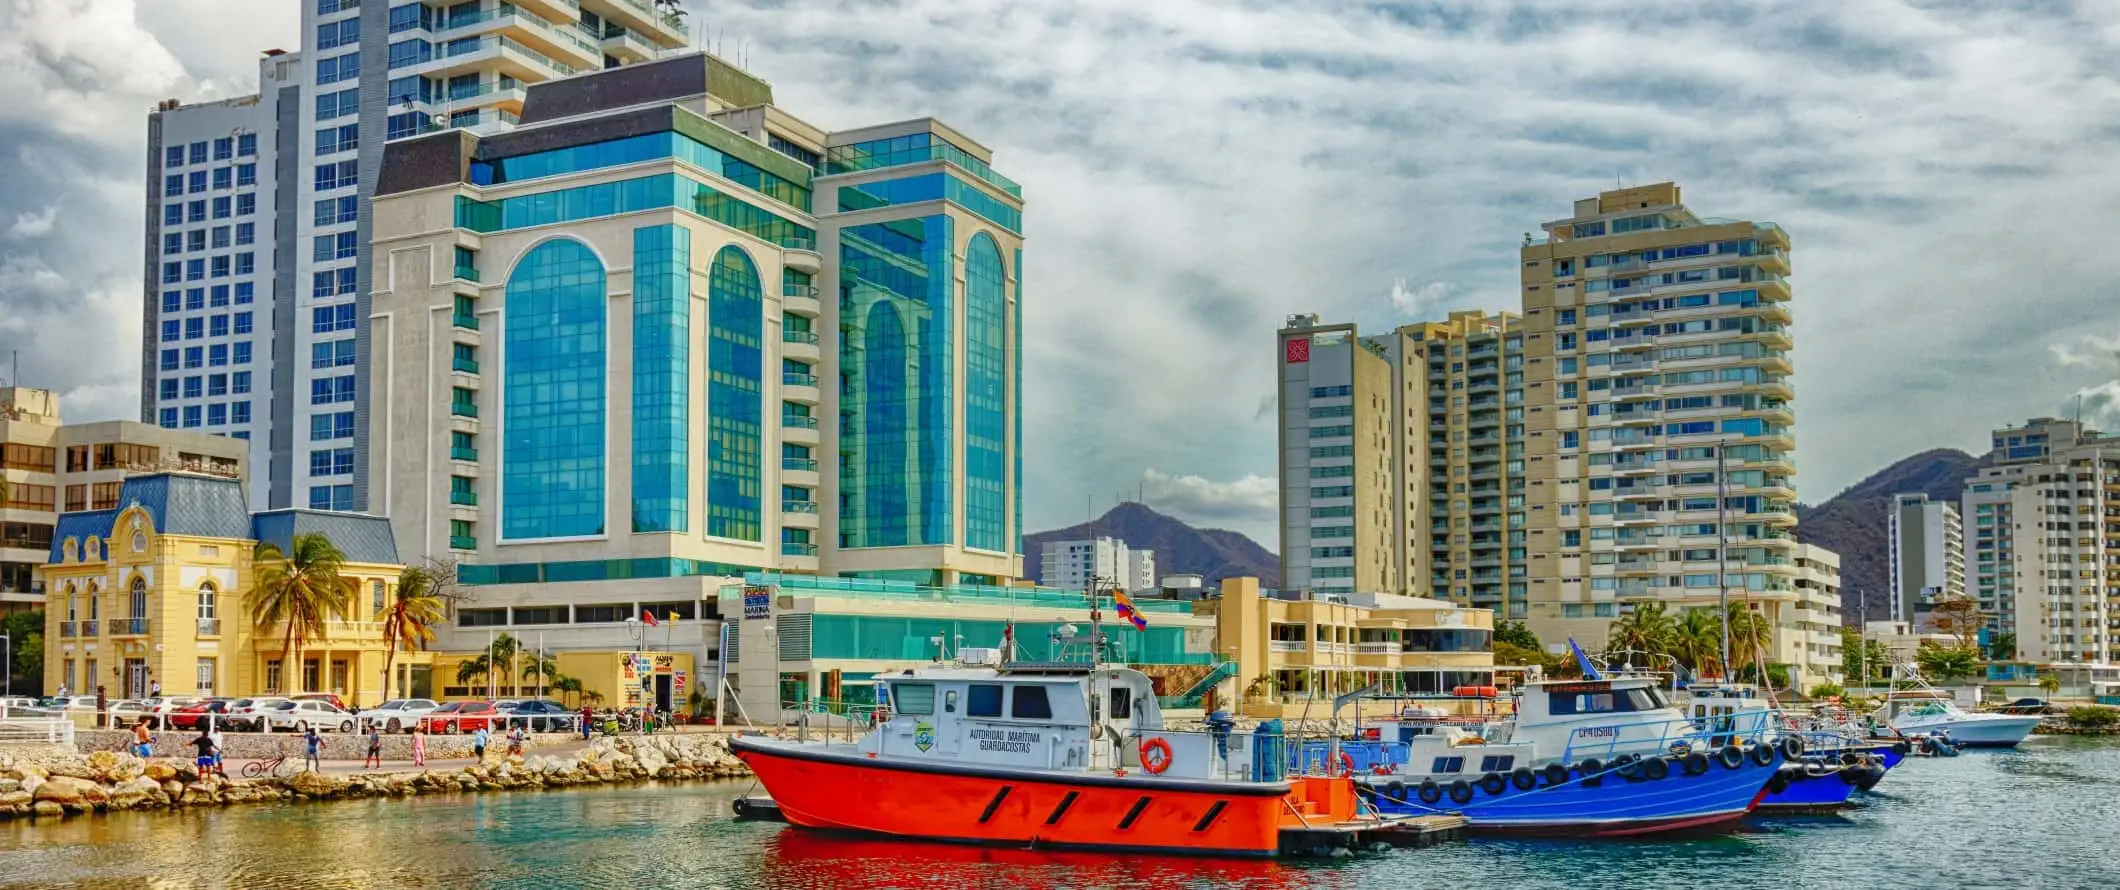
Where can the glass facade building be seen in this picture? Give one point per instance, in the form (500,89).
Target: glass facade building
(735,395)
(896,303)
(552,462)
(662,386)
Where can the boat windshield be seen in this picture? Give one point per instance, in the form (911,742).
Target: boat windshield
(1575,699)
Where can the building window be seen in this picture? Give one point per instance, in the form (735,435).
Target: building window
(662,335)
(985,404)
(735,403)
(552,480)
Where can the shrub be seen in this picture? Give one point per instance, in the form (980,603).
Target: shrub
(2094,718)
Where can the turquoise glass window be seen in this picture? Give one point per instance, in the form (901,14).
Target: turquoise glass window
(907,639)
(896,401)
(735,395)
(931,187)
(552,467)
(1015,346)
(662,362)
(628,196)
(985,396)
(645,147)
(913,149)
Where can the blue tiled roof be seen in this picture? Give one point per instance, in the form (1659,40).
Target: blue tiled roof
(359,537)
(80,527)
(209,507)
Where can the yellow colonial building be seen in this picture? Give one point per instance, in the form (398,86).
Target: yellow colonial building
(158,590)
(1294,654)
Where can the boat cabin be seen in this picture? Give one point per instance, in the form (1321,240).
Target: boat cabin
(1022,715)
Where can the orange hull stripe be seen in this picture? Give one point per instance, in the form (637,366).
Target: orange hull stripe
(850,797)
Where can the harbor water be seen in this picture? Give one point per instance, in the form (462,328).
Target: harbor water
(2046,815)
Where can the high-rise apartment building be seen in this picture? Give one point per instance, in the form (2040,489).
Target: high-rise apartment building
(1075,565)
(1927,555)
(258,223)
(48,467)
(665,333)
(1407,477)
(1659,409)
(2043,520)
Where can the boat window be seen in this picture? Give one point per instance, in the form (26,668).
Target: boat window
(1497,764)
(985,702)
(1585,703)
(1122,704)
(1645,699)
(1030,704)
(1449,765)
(949,702)
(917,699)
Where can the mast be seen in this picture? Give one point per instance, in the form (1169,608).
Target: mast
(1722,555)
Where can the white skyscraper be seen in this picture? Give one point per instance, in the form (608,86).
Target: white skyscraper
(256,302)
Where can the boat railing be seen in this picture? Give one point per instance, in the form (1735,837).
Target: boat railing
(1257,755)
(1605,740)
(831,719)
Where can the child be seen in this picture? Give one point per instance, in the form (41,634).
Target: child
(419,745)
(375,748)
(515,742)
(478,744)
(204,745)
(312,758)
(143,741)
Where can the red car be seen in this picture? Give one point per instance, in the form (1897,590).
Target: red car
(461,716)
(192,716)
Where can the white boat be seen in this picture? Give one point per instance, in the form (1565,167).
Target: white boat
(1926,710)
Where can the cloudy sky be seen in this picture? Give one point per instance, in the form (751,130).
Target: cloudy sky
(1195,171)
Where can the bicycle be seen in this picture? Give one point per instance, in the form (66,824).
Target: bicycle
(258,769)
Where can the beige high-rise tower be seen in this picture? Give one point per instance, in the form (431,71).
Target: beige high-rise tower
(1661,427)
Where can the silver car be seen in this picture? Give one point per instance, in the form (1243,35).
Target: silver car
(398,714)
(299,716)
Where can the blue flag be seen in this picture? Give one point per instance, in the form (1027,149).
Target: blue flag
(1582,659)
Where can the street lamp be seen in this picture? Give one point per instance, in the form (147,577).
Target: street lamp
(636,630)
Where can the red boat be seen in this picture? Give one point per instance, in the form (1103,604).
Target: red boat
(1057,756)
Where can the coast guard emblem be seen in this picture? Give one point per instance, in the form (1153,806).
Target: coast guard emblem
(923,736)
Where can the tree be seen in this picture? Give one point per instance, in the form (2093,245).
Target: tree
(492,662)
(1647,628)
(1827,690)
(539,665)
(25,633)
(409,618)
(1516,633)
(566,685)
(1947,663)
(1697,641)
(1750,636)
(1853,662)
(1960,617)
(302,590)
(2049,684)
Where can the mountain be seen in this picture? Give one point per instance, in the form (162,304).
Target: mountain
(1856,523)
(1212,553)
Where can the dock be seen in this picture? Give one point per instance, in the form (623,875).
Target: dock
(1370,833)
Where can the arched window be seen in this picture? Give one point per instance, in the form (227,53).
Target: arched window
(72,604)
(207,595)
(95,600)
(553,393)
(94,549)
(139,598)
(139,541)
(898,283)
(887,506)
(376,590)
(985,399)
(735,395)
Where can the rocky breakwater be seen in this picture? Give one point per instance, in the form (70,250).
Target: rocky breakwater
(55,785)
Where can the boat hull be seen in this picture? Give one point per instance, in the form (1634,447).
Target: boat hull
(1612,807)
(939,801)
(1977,730)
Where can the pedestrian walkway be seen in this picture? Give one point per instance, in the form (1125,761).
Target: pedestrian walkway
(353,766)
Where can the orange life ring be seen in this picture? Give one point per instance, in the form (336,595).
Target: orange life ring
(1346,764)
(1156,756)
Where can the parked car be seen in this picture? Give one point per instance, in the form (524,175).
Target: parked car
(159,709)
(301,714)
(76,704)
(398,714)
(331,697)
(461,716)
(2029,706)
(16,703)
(193,716)
(248,714)
(126,712)
(541,716)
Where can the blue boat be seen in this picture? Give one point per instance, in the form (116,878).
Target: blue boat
(1834,764)
(1579,758)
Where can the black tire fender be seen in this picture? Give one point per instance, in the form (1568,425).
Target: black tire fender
(1460,791)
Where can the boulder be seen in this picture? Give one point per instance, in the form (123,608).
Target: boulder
(14,799)
(173,788)
(45,809)
(73,769)
(160,772)
(8,785)
(67,791)
(315,784)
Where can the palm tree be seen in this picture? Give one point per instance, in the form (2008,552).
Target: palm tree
(1947,663)
(494,660)
(541,666)
(409,618)
(302,590)
(1750,636)
(1646,629)
(1697,641)
(568,685)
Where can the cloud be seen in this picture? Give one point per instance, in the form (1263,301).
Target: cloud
(1249,503)
(1420,302)
(32,224)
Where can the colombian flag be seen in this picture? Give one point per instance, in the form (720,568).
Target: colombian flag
(1125,606)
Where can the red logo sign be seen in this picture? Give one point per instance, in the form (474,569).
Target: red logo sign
(1299,350)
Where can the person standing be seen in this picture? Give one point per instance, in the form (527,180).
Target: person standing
(102,707)
(154,689)
(143,741)
(515,741)
(478,744)
(419,745)
(220,750)
(205,747)
(588,718)
(375,748)
(313,751)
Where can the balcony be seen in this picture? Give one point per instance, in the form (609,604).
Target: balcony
(464,498)
(629,47)
(799,464)
(642,18)
(798,422)
(1287,646)
(463,454)
(798,507)
(801,257)
(209,627)
(67,628)
(126,627)
(465,322)
(801,299)
(464,365)
(790,548)
(461,409)
(463,542)
(568,43)
(489,55)
(467,273)
(487,94)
